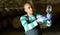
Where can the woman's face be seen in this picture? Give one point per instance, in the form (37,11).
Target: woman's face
(28,8)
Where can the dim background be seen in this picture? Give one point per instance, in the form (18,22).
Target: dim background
(12,10)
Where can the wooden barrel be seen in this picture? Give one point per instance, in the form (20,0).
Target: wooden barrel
(16,22)
(4,23)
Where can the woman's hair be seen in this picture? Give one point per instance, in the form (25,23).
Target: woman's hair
(28,3)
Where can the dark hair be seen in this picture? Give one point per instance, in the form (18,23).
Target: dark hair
(28,3)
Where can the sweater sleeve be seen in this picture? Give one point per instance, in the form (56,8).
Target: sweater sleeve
(27,26)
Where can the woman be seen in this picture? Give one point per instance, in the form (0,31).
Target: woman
(31,21)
